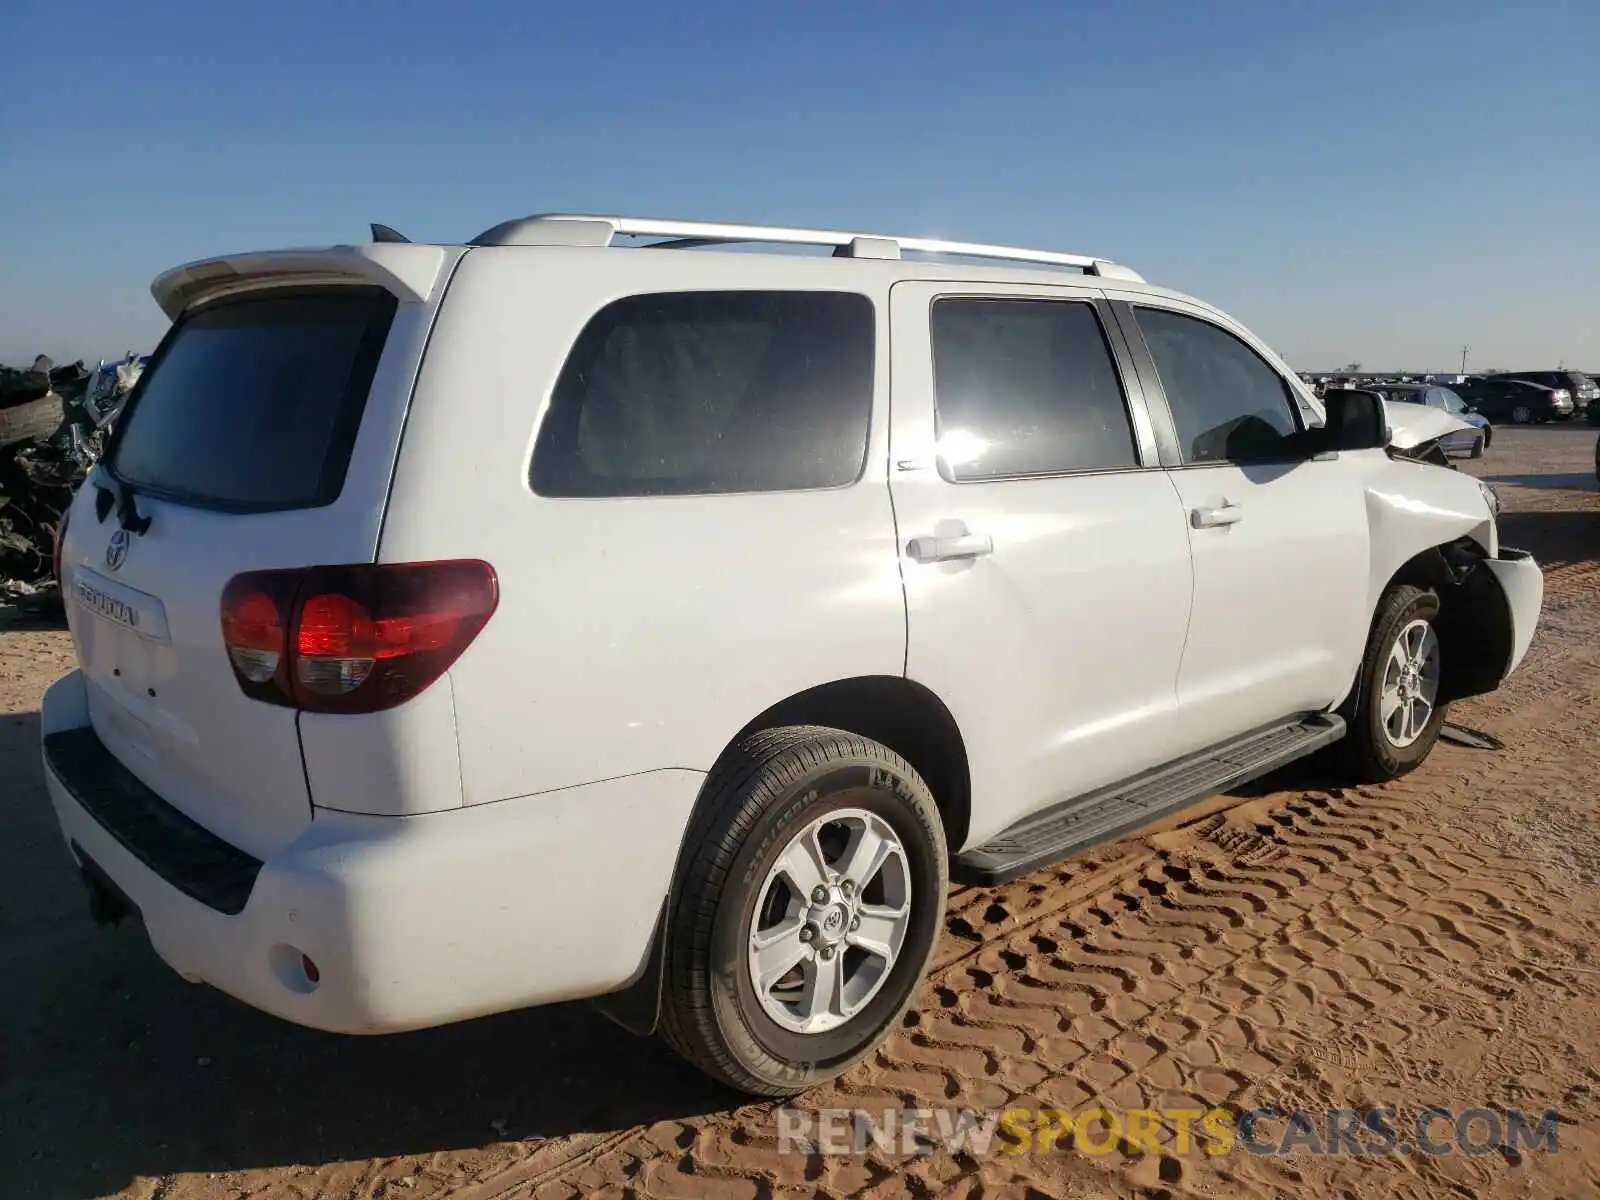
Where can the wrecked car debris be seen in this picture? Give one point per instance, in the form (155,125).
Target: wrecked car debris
(53,426)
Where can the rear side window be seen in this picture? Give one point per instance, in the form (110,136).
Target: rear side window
(690,393)
(252,405)
(1227,402)
(1026,387)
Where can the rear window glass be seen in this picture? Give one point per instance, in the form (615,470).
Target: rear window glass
(253,404)
(1026,387)
(691,393)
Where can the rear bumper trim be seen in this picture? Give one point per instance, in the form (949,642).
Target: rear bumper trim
(195,861)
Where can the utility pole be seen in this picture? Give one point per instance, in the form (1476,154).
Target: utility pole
(1464,359)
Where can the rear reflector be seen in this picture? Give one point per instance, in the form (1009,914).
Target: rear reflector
(353,639)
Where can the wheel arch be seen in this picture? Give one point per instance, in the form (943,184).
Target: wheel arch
(1474,622)
(900,713)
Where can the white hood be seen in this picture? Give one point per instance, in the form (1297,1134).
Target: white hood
(1414,425)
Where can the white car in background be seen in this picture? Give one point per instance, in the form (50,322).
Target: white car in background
(468,627)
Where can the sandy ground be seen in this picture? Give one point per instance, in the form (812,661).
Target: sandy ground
(1429,942)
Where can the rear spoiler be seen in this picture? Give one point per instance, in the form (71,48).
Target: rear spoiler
(409,272)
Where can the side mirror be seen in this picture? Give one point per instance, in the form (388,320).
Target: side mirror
(1356,421)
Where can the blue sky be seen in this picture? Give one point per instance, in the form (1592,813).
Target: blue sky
(1379,182)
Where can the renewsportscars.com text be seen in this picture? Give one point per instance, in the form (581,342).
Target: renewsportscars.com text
(1431,1131)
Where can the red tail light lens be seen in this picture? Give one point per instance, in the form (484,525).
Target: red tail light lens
(353,639)
(55,553)
(252,629)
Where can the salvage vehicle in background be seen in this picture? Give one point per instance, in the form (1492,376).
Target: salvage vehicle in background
(1473,440)
(676,626)
(1520,401)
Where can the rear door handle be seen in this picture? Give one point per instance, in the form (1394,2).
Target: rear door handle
(942,549)
(1226,513)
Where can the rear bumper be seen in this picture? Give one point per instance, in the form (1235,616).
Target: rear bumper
(412,921)
(1523,584)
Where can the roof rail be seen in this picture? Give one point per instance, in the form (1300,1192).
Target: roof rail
(578,229)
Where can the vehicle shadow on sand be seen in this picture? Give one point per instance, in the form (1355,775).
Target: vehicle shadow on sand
(1570,481)
(111,1067)
(1553,538)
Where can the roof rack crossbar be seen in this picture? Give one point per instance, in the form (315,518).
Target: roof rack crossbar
(578,229)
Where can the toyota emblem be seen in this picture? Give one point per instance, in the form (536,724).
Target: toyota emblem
(117,551)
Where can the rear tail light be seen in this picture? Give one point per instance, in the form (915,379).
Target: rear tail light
(1561,394)
(55,553)
(353,639)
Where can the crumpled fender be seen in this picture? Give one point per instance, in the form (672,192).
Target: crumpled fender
(1413,507)
(1415,425)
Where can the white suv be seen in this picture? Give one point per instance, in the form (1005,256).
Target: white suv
(464,628)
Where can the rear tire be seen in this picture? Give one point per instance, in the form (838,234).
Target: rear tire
(766,865)
(1521,414)
(1401,668)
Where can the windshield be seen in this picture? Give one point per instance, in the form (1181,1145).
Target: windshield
(1452,402)
(253,404)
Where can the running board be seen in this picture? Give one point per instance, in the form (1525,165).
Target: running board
(1070,828)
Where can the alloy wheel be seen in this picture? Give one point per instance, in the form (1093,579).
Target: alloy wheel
(1410,689)
(830,921)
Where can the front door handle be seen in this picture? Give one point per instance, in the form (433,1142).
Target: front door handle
(943,549)
(1226,513)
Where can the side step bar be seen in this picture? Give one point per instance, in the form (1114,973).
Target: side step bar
(1072,827)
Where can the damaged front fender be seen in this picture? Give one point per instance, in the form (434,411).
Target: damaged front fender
(1435,528)
(1413,508)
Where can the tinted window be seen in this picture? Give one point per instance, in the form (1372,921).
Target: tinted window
(1452,402)
(1227,403)
(254,404)
(696,392)
(1026,387)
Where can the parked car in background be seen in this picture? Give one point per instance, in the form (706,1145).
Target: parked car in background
(1520,401)
(1473,441)
(1584,391)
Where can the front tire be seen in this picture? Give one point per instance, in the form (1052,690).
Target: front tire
(1478,444)
(1521,414)
(806,912)
(1394,716)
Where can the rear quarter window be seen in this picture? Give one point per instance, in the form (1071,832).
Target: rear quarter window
(694,393)
(253,404)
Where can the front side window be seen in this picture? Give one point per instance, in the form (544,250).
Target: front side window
(1228,404)
(692,393)
(1026,387)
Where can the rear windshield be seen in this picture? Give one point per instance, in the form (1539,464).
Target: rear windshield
(253,404)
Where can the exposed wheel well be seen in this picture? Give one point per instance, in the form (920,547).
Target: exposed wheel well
(1474,622)
(902,715)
